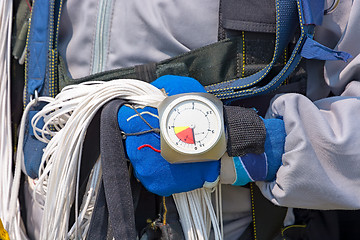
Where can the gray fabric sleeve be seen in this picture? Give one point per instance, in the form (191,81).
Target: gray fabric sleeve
(322,149)
(321,163)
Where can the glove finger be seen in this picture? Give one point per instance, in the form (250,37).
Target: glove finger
(131,121)
(178,84)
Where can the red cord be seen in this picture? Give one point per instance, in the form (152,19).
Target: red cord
(148,145)
(27,1)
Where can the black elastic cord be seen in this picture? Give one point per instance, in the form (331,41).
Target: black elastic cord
(142,118)
(155,130)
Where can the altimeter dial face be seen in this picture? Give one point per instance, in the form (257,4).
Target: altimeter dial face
(191,125)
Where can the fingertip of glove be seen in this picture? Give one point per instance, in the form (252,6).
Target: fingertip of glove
(178,84)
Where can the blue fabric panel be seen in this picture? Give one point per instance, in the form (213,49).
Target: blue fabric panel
(38,46)
(315,50)
(263,167)
(274,145)
(286,21)
(177,85)
(33,150)
(39,125)
(242,175)
(313,11)
(256,165)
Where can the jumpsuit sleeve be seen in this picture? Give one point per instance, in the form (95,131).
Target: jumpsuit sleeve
(321,161)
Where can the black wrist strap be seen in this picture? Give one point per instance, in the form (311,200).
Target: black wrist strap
(246,131)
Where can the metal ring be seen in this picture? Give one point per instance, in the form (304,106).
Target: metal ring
(332,7)
(36,97)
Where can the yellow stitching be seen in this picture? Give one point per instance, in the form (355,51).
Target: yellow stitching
(272,61)
(55,57)
(51,24)
(243,51)
(291,226)
(53,47)
(51,80)
(26,58)
(58,23)
(285,58)
(253,208)
(235,94)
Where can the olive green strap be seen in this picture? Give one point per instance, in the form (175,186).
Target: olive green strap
(209,64)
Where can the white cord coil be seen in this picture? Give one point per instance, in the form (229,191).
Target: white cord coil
(10,215)
(197,214)
(66,119)
(76,105)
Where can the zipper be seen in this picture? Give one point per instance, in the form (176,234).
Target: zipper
(102,35)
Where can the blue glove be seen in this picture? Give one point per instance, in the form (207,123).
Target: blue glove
(260,167)
(150,168)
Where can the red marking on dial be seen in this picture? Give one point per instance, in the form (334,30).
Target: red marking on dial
(185,135)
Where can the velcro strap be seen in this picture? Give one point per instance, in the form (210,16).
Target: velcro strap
(246,131)
(146,72)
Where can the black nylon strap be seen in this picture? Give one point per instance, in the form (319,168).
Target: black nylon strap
(99,221)
(252,16)
(268,218)
(116,182)
(115,174)
(246,131)
(146,72)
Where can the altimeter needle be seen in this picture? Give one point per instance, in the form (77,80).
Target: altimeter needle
(192,130)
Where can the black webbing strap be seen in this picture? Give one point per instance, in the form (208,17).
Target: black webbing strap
(100,218)
(268,218)
(146,72)
(115,194)
(249,16)
(245,131)
(248,233)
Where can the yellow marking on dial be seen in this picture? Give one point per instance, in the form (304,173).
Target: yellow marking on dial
(179,129)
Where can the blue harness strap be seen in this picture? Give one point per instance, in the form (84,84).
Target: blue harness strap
(40,78)
(286,19)
(313,11)
(41,55)
(38,45)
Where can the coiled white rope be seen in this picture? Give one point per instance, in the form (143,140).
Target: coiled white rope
(76,105)
(83,220)
(9,207)
(197,214)
(66,119)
